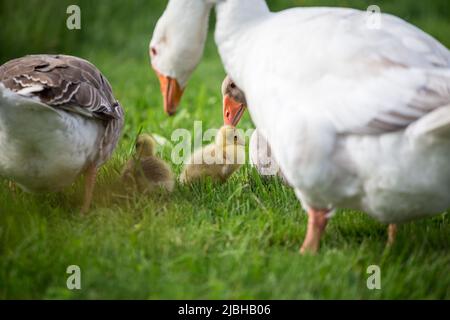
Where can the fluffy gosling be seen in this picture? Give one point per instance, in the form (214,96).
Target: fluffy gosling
(145,170)
(218,160)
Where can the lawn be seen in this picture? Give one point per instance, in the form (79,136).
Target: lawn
(230,241)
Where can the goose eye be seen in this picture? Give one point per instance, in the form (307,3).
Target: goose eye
(232,85)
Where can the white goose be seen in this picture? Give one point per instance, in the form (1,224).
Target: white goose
(58,119)
(368,109)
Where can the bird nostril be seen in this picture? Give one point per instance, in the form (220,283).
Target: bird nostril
(153,51)
(228,114)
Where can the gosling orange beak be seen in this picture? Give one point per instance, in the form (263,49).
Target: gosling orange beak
(171,91)
(232,111)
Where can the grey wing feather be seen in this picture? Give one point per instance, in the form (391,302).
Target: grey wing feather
(71,84)
(67,82)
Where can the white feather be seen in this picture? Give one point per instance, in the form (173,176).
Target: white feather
(318,84)
(357,117)
(42,148)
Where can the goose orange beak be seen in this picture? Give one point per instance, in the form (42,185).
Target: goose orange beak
(171,91)
(232,111)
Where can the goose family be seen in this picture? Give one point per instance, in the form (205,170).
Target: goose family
(357,117)
(58,119)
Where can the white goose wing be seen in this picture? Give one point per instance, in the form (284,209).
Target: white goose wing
(367,81)
(390,101)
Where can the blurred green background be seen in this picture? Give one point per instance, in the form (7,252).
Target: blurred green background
(236,240)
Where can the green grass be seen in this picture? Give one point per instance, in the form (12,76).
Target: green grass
(236,240)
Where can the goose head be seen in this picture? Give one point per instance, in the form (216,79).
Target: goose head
(177,46)
(234,102)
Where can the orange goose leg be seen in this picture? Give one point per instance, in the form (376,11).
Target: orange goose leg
(392,234)
(89,183)
(317,221)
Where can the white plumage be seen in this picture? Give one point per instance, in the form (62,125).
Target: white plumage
(260,156)
(357,117)
(367,110)
(42,148)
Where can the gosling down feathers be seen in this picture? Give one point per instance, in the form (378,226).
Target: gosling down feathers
(218,160)
(146,171)
(58,119)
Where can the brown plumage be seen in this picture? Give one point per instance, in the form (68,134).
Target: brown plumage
(81,95)
(72,84)
(146,171)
